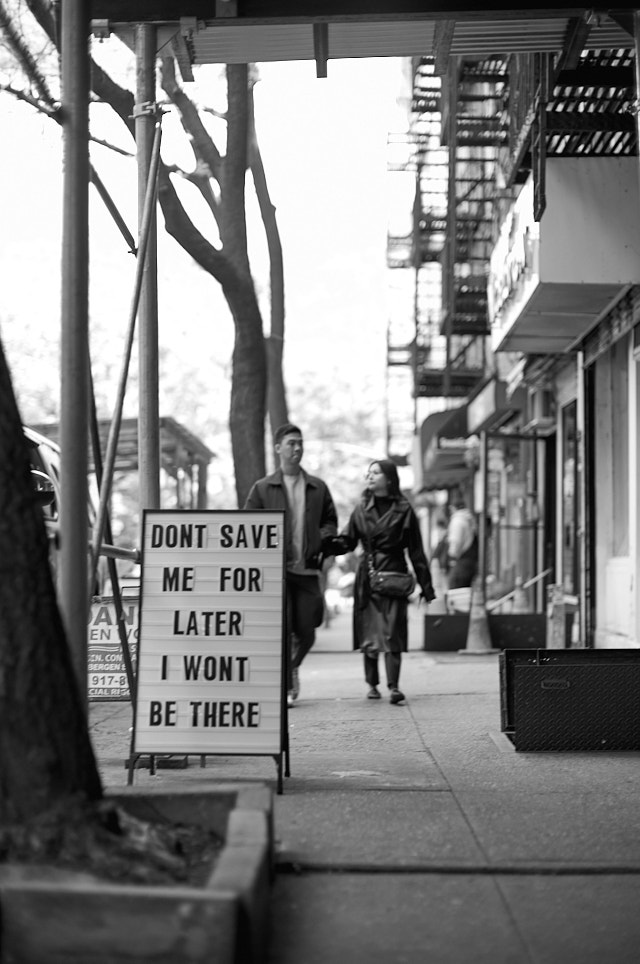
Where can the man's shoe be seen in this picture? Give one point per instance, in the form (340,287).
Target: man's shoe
(396,696)
(295,683)
(373,694)
(290,700)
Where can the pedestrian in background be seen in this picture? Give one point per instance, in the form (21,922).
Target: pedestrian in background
(386,526)
(311,520)
(462,541)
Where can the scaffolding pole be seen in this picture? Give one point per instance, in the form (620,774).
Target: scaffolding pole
(74,392)
(116,421)
(149,410)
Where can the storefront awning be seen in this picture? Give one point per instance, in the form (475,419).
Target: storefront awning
(490,408)
(443,437)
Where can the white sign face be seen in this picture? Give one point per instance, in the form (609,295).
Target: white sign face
(210,648)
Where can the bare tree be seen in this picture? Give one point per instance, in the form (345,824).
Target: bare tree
(220,179)
(48,773)
(228,263)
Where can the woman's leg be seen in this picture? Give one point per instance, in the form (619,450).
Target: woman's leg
(371,674)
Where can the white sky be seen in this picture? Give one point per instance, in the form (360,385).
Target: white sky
(324,144)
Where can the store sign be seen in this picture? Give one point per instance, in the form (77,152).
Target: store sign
(514,257)
(107,675)
(445,444)
(210,650)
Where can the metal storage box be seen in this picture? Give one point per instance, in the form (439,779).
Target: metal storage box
(571,700)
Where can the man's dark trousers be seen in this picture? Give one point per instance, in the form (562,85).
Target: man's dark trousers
(305,611)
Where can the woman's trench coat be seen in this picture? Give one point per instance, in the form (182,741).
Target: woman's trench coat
(380,622)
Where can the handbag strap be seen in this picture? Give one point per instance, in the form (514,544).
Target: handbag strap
(367,547)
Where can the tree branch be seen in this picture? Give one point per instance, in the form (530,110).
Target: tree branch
(204,149)
(40,106)
(276,393)
(54,114)
(200,178)
(180,226)
(26,60)
(43,13)
(234,222)
(268,215)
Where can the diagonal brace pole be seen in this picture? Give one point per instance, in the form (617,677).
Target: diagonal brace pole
(114,428)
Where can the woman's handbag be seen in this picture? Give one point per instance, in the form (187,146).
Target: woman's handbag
(382,582)
(385,583)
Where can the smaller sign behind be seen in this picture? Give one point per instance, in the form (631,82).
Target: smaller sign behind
(210,651)
(107,676)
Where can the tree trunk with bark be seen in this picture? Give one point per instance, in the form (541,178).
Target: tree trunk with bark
(46,758)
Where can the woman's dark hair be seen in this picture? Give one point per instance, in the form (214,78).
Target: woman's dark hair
(390,471)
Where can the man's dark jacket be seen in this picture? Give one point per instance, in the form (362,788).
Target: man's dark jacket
(321,520)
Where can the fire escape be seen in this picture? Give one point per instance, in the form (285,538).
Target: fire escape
(473,131)
(455,134)
(479,126)
(401,328)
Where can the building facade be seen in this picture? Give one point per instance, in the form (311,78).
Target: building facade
(538,242)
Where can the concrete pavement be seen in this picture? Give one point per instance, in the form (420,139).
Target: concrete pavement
(416,833)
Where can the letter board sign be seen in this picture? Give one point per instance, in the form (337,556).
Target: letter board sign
(210,646)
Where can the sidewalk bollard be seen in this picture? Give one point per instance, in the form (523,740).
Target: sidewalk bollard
(555,618)
(478,634)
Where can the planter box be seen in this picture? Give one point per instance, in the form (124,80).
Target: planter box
(448,632)
(61,917)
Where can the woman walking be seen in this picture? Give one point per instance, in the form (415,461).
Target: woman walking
(386,525)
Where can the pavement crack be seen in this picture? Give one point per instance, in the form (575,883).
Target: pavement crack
(294,866)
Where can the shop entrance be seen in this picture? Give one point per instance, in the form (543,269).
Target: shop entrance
(520,516)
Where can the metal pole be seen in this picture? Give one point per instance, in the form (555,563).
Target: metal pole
(482,522)
(114,428)
(74,396)
(202,485)
(636,37)
(582,496)
(452,230)
(149,415)
(113,210)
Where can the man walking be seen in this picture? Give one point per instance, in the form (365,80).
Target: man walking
(462,542)
(311,520)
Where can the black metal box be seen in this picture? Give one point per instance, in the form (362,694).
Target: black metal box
(447,632)
(564,700)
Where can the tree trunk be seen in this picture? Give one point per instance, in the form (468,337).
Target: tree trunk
(46,758)
(248,390)
(277,408)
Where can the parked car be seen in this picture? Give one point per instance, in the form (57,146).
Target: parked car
(44,456)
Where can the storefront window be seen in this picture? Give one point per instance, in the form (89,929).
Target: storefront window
(512,514)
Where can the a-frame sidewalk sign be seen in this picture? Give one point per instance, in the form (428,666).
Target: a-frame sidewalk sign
(212,660)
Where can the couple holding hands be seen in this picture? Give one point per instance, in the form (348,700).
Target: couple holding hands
(383,523)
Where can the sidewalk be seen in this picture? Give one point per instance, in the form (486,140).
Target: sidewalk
(416,833)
